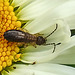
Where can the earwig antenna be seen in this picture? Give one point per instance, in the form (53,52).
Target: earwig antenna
(52,31)
(54,46)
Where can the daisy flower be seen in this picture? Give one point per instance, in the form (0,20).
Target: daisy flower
(19,14)
(10,19)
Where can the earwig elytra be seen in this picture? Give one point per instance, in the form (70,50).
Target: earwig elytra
(21,36)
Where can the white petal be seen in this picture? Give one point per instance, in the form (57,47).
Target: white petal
(20,70)
(16,3)
(42,69)
(66,57)
(71,21)
(45,53)
(39,24)
(37,8)
(62,33)
(53,69)
(64,11)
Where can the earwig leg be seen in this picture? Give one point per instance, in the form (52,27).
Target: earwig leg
(19,28)
(34,63)
(25,30)
(54,46)
(38,34)
(25,45)
(22,44)
(34,44)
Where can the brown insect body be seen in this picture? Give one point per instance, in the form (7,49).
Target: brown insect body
(20,36)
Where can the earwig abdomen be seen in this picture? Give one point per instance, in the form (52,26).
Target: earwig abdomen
(19,36)
(29,38)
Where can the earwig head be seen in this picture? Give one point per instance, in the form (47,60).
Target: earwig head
(40,40)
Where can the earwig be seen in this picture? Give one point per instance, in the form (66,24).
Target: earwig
(21,36)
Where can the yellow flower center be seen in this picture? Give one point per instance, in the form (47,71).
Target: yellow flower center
(8,20)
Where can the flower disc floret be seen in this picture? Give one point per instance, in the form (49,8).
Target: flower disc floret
(8,21)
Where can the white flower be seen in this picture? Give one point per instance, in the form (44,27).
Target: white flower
(54,9)
(54,18)
(40,69)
